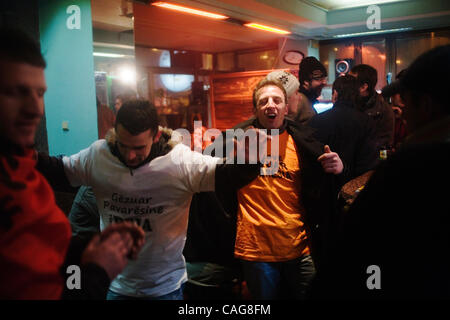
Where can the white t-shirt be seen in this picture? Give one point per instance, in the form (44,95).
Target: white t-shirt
(157,196)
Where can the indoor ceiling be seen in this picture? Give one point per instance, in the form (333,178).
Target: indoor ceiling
(344,4)
(305,19)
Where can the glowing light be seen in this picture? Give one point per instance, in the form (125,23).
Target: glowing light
(370,32)
(266,28)
(127,75)
(108,55)
(202,13)
(177,82)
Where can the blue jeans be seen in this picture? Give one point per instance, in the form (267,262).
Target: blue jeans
(174,295)
(276,280)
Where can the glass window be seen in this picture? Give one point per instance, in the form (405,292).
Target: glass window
(409,48)
(373,53)
(338,57)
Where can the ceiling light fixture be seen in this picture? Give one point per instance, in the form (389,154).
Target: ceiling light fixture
(189,10)
(370,32)
(266,28)
(108,55)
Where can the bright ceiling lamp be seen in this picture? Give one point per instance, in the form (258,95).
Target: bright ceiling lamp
(370,32)
(189,10)
(266,28)
(108,55)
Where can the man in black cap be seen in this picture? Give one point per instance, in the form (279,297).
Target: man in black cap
(313,77)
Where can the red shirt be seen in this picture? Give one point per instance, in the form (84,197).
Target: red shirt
(34,232)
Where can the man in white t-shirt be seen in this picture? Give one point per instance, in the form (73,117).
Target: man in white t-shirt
(139,174)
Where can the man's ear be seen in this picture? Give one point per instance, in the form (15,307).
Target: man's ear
(334,96)
(363,88)
(156,135)
(306,84)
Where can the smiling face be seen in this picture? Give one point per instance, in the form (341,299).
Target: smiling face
(315,85)
(270,107)
(22,88)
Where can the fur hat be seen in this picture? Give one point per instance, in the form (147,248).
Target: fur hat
(310,68)
(287,79)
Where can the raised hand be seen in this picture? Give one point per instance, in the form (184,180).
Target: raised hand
(331,162)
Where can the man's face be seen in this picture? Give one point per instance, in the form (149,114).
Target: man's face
(397,100)
(270,107)
(133,149)
(117,104)
(22,88)
(316,85)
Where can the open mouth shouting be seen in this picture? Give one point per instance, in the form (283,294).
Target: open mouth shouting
(271,114)
(270,106)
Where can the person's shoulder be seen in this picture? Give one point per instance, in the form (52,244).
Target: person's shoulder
(304,136)
(98,145)
(298,127)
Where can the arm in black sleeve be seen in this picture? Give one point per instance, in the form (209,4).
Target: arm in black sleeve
(232,176)
(52,168)
(94,279)
(235,176)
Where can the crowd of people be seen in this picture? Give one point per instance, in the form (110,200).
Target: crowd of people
(155,220)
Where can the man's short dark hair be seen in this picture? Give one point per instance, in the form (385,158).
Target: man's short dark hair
(428,75)
(366,74)
(264,83)
(137,116)
(17,46)
(347,88)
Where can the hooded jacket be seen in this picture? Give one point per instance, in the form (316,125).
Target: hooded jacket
(383,119)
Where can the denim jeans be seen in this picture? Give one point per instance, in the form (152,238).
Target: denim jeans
(277,280)
(174,295)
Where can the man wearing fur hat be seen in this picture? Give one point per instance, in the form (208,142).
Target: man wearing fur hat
(313,77)
(291,85)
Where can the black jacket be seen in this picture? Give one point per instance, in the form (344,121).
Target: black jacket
(382,117)
(316,189)
(400,222)
(350,133)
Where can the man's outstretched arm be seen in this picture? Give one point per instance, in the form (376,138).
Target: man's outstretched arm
(52,168)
